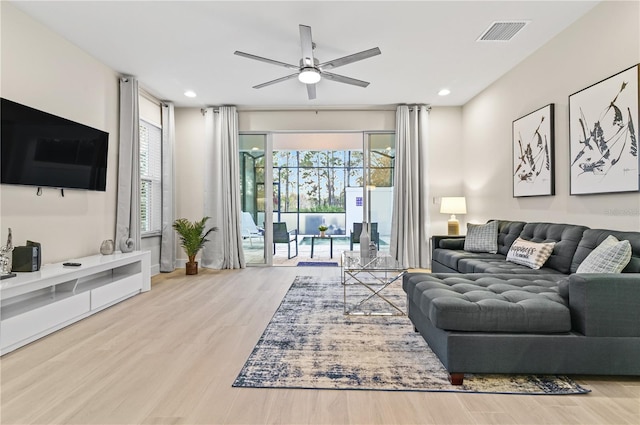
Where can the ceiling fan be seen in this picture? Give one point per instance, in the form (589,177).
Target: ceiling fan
(310,71)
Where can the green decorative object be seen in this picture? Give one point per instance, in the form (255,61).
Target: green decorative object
(192,237)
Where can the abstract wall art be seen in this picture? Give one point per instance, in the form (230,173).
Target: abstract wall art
(603,136)
(533,153)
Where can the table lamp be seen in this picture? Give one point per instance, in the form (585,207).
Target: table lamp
(453,205)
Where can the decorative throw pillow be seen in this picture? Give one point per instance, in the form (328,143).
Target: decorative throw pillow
(482,237)
(611,256)
(530,254)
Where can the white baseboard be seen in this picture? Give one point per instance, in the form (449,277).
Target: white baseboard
(155,269)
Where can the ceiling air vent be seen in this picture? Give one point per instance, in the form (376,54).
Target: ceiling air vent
(502,31)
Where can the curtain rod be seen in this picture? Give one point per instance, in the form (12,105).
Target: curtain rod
(215,111)
(149,96)
(316,110)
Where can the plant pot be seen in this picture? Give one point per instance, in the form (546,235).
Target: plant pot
(322,233)
(192,267)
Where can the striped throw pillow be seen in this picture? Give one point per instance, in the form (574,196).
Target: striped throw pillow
(530,254)
(611,256)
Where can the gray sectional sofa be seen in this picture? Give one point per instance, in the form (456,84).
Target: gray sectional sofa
(482,314)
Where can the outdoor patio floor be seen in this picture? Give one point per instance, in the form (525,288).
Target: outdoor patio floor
(253,252)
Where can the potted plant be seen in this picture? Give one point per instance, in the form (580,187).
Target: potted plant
(322,229)
(193,237)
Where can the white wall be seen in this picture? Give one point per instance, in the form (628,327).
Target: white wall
(42,70)
(321,120)
(603,42)
(445,163)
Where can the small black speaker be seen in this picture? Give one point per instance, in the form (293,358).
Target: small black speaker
(25,259)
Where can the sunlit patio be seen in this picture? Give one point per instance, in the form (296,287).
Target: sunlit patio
(254,250)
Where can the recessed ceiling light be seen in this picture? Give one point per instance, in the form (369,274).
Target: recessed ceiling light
(190,93)
(444,92)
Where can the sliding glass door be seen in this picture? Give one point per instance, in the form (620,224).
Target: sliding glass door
(310,179)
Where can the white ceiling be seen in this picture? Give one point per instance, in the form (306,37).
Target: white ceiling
(172,46)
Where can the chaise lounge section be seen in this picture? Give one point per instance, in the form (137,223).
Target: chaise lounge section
(483,314)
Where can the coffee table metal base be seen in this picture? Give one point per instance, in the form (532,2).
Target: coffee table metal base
(375,276)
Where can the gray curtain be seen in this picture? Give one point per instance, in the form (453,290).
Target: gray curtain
(222,190)
(410,219)
(168,240)
(128,209)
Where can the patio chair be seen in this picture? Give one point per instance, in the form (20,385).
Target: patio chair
(249,228)
(282,235)
(357,229)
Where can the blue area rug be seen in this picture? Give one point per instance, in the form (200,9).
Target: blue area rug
(309,343)
(317,264)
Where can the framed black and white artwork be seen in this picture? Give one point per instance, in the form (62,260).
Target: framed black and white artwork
(603,136)
(533,149)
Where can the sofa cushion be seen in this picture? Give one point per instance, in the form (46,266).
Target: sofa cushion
(566,236)
(501,266)
(594,237)
(499,303)
(508,232)
(530,254)
(482,237)
(451,258)
(611,256)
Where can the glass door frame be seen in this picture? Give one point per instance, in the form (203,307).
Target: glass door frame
(269,181)
(268,195)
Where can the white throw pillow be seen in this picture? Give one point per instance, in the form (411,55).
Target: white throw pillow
(530,254)
(482,237)
(611,256)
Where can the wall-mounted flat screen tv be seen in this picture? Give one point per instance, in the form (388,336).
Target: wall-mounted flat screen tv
(41,149)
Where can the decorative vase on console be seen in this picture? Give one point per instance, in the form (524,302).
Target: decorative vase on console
(364,244)
(107,247)
(5,259)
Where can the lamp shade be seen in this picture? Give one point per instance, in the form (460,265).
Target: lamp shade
(453,205)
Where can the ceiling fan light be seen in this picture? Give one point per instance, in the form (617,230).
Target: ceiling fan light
(309,76)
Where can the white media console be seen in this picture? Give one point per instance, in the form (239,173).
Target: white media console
(38,303)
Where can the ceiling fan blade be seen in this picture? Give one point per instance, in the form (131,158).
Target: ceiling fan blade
(350,59)
(277,80)
(261,59)
(343,79)
(306,43)
(311,91)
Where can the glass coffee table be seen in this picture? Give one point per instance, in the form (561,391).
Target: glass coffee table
(365,284)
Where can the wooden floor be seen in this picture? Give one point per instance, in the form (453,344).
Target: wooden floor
(169,356)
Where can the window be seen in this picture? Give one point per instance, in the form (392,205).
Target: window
(150,178)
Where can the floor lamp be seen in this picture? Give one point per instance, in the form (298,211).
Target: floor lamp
(453,205)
